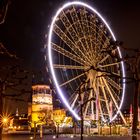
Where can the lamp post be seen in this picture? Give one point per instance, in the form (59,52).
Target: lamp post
(82,104)
(82,121)
(81,111)
(41,120)
(57,131)
(4,120)
(110,128)
(41,131)
(34,130)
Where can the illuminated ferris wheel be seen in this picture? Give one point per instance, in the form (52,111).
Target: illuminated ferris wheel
(78,40)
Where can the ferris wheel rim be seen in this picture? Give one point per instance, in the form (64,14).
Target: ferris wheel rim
(66,5)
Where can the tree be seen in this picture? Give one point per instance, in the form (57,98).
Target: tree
(13,79)
(132,60)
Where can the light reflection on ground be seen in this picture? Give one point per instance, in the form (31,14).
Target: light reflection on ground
(70,137)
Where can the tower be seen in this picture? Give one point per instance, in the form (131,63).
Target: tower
(42,106)
(17,114)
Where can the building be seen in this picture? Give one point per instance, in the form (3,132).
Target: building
(19,122)
(42,107)
(127,116)
(58,116)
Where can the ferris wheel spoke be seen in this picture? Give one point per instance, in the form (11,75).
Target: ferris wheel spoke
(109,65)
(85,28)
(96,94)
(104,56)
(102,99)
(115,102)
(68,54)
(84,21)
(111,73)
(87,105)
(92,28)
(85,110)
(58,66)
(100,34)
(93,56)
(105,97)
(92,109)
(106,43)
(74,101)
(70,29)
(101,111)
(114,93)
(93,24)
(77,23)
(82,42)
(92,106)
(75,48)
(72,97)
(104,114)
(72,79)
(113,83)
(67,40)
(75,18)
(104,94)
(77,108)
(116,74)
(99,43)
(98,100)
(104,59)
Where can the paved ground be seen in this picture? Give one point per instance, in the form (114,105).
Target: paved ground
(51,137)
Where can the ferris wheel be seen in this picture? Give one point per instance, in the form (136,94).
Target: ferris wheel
(78,44)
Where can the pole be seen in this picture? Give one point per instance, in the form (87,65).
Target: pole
(57,130)
(34,130)
(81,110)
(41,132)
(75,128)
(110,127)
(135,101)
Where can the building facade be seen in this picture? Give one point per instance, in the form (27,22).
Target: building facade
(41,108)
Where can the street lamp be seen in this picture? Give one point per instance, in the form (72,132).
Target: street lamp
(82,104)
(5,120)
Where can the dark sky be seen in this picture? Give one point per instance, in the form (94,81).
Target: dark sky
(27,23)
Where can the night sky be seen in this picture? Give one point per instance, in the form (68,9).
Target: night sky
(27,22)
